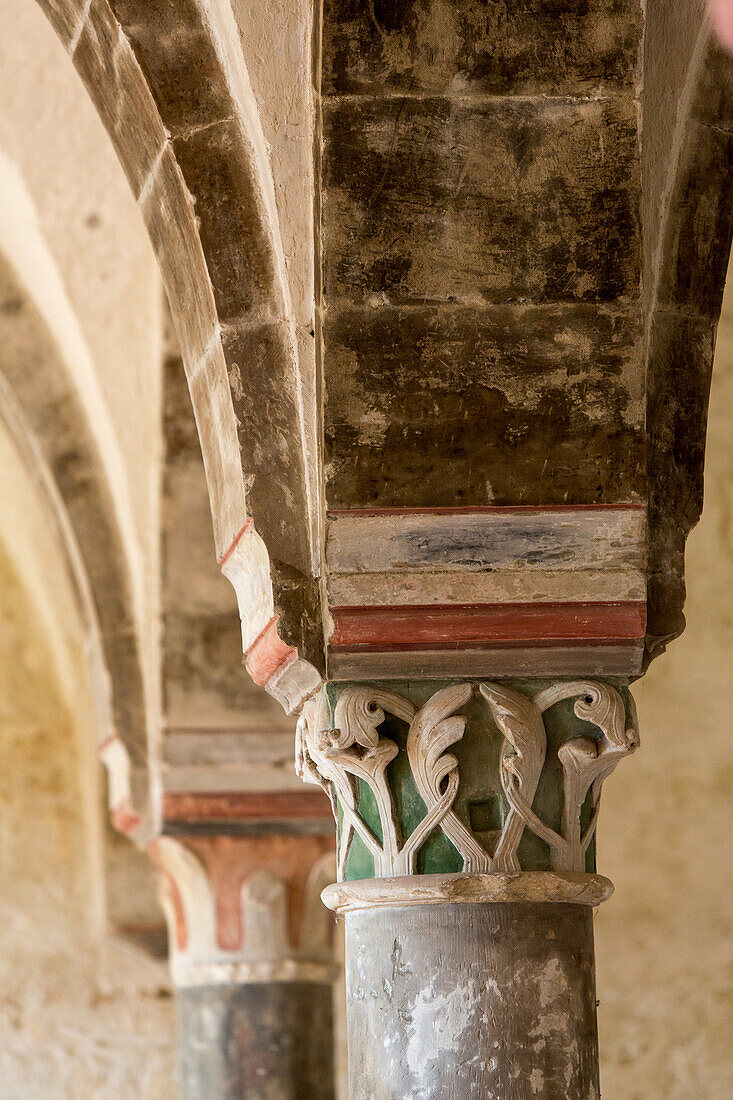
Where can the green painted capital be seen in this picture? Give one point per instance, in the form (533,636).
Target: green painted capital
(519,789)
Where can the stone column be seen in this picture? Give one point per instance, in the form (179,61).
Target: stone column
(251,959)
(467,879)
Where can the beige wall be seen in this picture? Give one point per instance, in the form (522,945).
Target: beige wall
(665,940)
(82,1013)
(61,184)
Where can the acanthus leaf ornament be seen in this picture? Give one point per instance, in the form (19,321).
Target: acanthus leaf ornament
(522,760)
(585,763)
(338,756)
(434,728)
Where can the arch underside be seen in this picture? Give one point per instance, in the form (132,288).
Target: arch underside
(46,418)
(682,325)
(495,338)
(176,102)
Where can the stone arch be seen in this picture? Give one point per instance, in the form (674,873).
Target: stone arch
(173,92)
(694,229)
(48,390)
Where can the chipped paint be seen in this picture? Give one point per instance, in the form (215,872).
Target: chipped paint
(461,1008)
(438,1022)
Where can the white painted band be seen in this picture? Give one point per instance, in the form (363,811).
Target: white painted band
(461,889)
(187,973)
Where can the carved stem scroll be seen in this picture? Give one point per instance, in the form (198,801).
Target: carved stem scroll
(351,750)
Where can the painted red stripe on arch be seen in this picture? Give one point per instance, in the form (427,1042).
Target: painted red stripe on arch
(488,624)
(197,807)
(268,653)
(228,553)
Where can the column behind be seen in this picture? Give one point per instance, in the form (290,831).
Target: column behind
(251,958)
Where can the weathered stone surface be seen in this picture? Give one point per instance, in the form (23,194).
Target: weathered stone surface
(265,1041)
(490,1000)
(64,16)
(432,199)
(105,62)
(263,377)
(233,234)
(176,52)
(713,103)
(699,235)
(472,46)
(438,406)
(693,265)
(680,366)
(298,602)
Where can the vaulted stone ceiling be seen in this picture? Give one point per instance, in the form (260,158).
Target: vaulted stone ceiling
(487,397)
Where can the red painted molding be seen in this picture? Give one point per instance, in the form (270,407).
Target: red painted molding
(228,553)
(229,861)
(455,627)
(124,819)
(248,806)
(268,654)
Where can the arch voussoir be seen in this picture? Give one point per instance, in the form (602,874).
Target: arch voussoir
(186,129)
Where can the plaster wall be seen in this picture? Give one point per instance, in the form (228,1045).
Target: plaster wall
(665,940)
(82,1012)
(54,149)
(42,638)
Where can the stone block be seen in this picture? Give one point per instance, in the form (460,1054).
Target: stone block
(473,46)
(176,52)
(429,199)
(697,248)
(447,406)
(221,178)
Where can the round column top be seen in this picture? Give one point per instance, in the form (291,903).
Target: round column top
(465,889)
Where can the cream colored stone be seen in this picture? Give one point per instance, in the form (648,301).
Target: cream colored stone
(465,889)
(665,941)
(82,1013)
(86,214)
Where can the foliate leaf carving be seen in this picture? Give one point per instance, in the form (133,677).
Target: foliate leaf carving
(587,761)
(339,755)
(352,750)
(522,760)
(435,772)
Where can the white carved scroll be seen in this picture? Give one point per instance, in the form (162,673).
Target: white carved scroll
(353,750)
(522,760)
(434,728)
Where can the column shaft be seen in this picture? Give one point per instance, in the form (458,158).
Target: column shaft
(252,961)
(262,1041)
(483,1000)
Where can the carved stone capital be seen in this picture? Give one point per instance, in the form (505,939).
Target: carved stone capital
(243,910)
(520,790)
